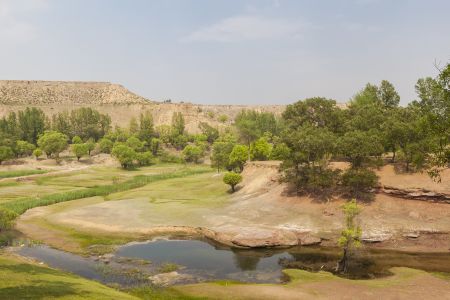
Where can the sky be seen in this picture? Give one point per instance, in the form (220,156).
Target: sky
(227,51)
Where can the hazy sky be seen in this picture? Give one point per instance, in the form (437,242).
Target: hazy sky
(225,51)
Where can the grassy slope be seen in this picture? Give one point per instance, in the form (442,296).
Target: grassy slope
(161,196)
(21,280)
(323,285)
(19,173)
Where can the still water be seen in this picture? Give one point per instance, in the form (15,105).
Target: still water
(208,261)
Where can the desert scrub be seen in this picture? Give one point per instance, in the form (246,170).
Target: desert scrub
(19,173)
(19,206)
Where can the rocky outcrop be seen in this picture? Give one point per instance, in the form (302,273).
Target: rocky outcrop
(171,278)
(416,194)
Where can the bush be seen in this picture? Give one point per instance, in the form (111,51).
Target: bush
(135,143)
(77,140)
(359,180)
(79,150)
(5,153)
(232,179)
(105,145)
(261,149)
(238,157)
(192,153)
(52,142)
(145,158)
(37,153)
(124,154)
(280,152)
(24,148)
(223,118)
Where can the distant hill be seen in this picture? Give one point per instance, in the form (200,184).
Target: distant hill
(121,104)
(21,92)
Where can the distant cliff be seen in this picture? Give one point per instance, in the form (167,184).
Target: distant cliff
(21,92)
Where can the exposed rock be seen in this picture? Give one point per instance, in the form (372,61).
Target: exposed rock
(310,240)
(411,235)
(171,278)
(252,237)
(376,237)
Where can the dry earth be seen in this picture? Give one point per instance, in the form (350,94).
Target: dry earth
(259,214)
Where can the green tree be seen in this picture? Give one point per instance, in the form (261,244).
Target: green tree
(238,157)
(434,103)
(88,123)
(135,143)
(105,145)
(144,158)
(24,148)
(155,145)
(90,145)
(210,132)
(359,146)
(77,140)
(79,150)
(307,165)
(32,123)
(192,153)
(388,95)
(5,153)
(52,143)
(221,150)
(351,235)
(261,149)
(232,179)
(178,124)
(124,154)
(146,127)
(280,152)
(37,153)
(315,112)
(61,123)
(359,181)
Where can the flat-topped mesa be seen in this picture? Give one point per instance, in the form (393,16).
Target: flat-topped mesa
(31,92)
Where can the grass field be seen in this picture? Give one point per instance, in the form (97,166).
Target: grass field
(22,280)
(19,173)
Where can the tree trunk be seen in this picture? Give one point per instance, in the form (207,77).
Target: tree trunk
(393,156)
(232,188)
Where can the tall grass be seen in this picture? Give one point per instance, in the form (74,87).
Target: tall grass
(19,173)
(20,206)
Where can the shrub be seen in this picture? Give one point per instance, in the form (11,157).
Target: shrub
(144,158)
(105,145)
(232,179)
(5,153)
(124,154)
(192,153)
(238,157)
(280,152)
(52,142)
(261,149)
(359,180)
(79,150)
(223,118)
(77,140)
(24,148)
(37,153)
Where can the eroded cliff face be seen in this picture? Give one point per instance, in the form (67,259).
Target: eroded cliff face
(121,104)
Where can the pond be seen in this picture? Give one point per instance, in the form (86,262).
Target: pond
(198,260)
